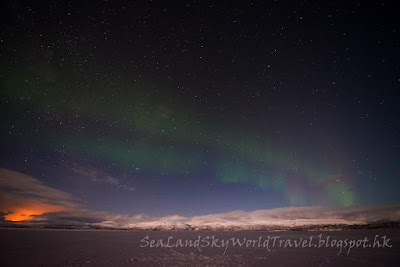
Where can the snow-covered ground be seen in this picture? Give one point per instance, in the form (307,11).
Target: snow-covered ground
(127,248)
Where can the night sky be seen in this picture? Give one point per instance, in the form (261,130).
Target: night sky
(200,107)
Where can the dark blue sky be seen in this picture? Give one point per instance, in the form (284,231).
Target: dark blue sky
(202,107)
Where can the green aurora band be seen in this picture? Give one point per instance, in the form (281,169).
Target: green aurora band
(134,110)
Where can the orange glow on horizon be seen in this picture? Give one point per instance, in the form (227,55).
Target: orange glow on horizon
(24,210)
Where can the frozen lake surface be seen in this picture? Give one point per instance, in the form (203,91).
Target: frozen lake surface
(28,247)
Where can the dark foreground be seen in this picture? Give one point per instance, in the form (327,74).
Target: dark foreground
(23,247)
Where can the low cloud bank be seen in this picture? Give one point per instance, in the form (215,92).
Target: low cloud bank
(22,197)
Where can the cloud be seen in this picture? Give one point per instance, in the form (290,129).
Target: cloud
(22,197)
(98,176)
(329,180)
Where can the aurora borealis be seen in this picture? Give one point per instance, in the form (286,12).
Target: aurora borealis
(201,107)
